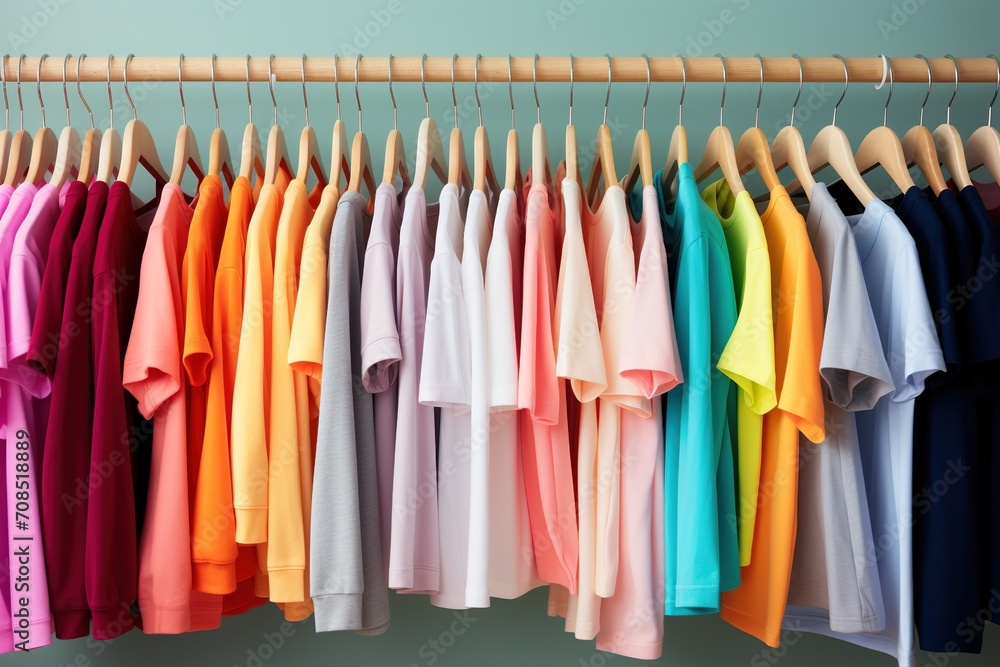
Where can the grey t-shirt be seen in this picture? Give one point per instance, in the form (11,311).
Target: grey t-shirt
(347,580)
(834,571)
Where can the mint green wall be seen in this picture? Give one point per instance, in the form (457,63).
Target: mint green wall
(515,632)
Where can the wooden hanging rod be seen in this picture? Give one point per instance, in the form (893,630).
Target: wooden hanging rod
(494,68)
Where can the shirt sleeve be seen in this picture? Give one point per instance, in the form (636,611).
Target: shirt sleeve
(305,348)
(537,390)
(380,350)
(920,356)
(445,369)
(501,330)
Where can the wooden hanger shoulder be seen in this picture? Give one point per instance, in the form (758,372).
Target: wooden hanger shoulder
(983,150)
(68,153)
(640,168)
(44,148)
(951,153)
(604,163)
(251,156)
(109,163)
(340,168)
(90,153)
(309,157)
(220,161)
(484,174)
(361,167)
(277,155)
(186,156)
(789,150)
(458,166)
(395,159)
(754,152)
(430,154)
(918,149)
(832,147)
(541,173)
(881,147)
(720,154)
(512,177)
(138,148)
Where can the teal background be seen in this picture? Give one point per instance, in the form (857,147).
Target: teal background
(510,632)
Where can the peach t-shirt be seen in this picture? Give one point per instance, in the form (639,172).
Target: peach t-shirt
(758,605)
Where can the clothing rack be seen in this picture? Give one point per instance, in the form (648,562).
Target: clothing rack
(495,68)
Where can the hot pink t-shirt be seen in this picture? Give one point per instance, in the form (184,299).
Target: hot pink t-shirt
(26,229)
(154,374)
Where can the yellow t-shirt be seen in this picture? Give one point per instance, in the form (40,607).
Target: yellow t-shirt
(749,355)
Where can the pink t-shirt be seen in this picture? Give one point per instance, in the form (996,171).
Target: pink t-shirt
(414,555)
(6,191)
(153,372)
(26,229)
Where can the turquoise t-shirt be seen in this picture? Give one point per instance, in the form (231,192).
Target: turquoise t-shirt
(701,551)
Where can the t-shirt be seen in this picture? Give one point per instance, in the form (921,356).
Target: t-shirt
(121,443)
(67,457)
(834,571)
(758,605)
(46,342)
(479,223)
(546,462)
(445,383)
(885,433)
(380,348)
(749,356)
(25,395)
(701,553)
(414,554)
(348,586)
(153,373)
(217,498)
(631,619)
(512,558)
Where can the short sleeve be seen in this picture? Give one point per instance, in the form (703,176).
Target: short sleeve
(380,350)
(915,353)
(500,327)
(23,287)
(619,301)
(445,369)
(305,347)
(748,357)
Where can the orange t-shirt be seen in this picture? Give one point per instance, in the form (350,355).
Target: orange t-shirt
(758,605)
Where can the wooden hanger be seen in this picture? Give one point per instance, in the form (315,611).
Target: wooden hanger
(831,147)
(572,157)
(309,155)
(541,174)
(90,149)
(753,151)
(983,147)
(186,154)
(138,147)
(110,160)
(251,157)
(430,151)
(882,147)
(918,145)
(485,174)
(5,133)
(950,150)
(220,161)
(361,157)
(69,148)
(45,145)
(677,153)
(719,150)
(788,150)
(641,162)
(458,167)
(19,154)
(395,152)
(277,151)
(604,153)
(512,167)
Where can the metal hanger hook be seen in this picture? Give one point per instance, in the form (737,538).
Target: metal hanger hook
(111,102)
(357,93)
(795,102)
(79,89)
(392,97)
(454,100)
(571,88)
(20,102)
(305,100)
(725,82)
(684,85)
(215,95)
(510,89)
(989,113)
(180,88)
(645,100)
(65,93)
(246,64)
(886,71)
(6,104)
(760,90)
(534,85)
(954,63)
(270,86)
(847,82)
(38,87)
(423,87)
(336,84)
(607,97)
(125,83)
(930,83)
(475,78)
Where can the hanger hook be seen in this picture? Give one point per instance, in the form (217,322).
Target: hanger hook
(180,88)
(795,102)
(534,85)
(357,94)
(454,100)
(725,82)
(79,89)
(6,103)
(886,70)
(125,83)
(20,102)
(571,82)
(684,85)
(38,87)
(645,100)
(270,85)
(954,64)
(66,94)
(246,64)
(215,95)
(607,97)
(392,97)
(336,84)
(305,100)
(111,103)
(760,90)
(989,113)
(423,87)
(847,82)
(475,78)
(930,83)
(510,88)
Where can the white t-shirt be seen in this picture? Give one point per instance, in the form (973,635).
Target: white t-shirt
(445,380)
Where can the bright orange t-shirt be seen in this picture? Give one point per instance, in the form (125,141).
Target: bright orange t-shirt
(758,605)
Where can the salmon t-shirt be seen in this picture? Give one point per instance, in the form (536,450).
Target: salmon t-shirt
(758,605)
